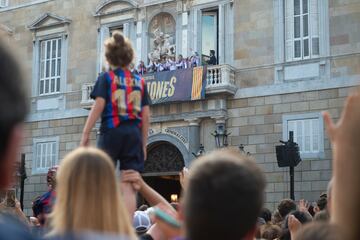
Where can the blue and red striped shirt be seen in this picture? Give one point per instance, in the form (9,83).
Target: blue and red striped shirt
(125,94)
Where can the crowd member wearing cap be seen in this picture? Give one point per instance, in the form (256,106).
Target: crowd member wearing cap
(13,110)
(141,222)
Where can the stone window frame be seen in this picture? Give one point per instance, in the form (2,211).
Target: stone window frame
(319,64)
(312,15)
(314,115)
(104,33)
(4,3)
(11,7)
(36,142)
(58,28)
(36,67)
(107,18)
(56,78)
(225,28)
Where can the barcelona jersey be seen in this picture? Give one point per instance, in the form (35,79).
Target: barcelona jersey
(125,94)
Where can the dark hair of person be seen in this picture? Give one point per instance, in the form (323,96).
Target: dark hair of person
(286,206)
(13,101)
(118,50)
(311,210)
(266,214)
(224,196)
(322,202)
(143,207)
(319,231)
(303,218)
(322,216)
(270,232)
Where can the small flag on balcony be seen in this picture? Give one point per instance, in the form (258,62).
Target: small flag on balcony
(197,86)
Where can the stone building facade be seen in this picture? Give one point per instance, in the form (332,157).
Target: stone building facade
(281,62)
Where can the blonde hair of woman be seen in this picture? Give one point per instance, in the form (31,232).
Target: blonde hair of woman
(88,197)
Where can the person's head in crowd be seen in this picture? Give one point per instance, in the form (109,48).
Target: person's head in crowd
(302,217)
(318,231)
(321,203)
(51,177)
(286,206)
(270,232)
(266,214)
(180,57)
(141,222)
(260,223)
(276,218)
(88,196)
(13,110)
(212,53)
(119,51)
(224,196)
(322,216)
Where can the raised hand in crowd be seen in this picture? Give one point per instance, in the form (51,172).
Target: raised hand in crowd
(294,225)
(138,183)
(344,137)
(303,205)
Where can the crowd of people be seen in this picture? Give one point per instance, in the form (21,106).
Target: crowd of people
(169,63)
(223,191)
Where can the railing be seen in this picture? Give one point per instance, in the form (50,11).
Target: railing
(219,79)
(86,100)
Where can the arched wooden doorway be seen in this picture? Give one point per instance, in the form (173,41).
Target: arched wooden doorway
(162,168)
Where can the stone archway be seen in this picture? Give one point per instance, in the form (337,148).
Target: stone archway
(164,158)
(162,168)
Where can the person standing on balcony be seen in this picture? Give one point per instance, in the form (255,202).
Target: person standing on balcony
(212,60)
(141,68)
(122,101)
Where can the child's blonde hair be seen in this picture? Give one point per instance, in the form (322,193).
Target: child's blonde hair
(88,196)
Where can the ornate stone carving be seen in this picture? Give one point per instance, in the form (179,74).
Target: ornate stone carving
(164,157)
(162,30)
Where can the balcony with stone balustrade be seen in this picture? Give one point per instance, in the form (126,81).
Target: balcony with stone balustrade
(220,79)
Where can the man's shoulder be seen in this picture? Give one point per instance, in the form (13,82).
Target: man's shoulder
(10,228)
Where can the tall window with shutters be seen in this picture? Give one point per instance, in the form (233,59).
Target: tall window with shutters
(301,29)
(45,154)
(308,133)
(50,66)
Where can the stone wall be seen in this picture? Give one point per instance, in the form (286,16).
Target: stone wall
(69,132)
(257,123)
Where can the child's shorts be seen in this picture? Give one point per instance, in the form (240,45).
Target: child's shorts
(124,144)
